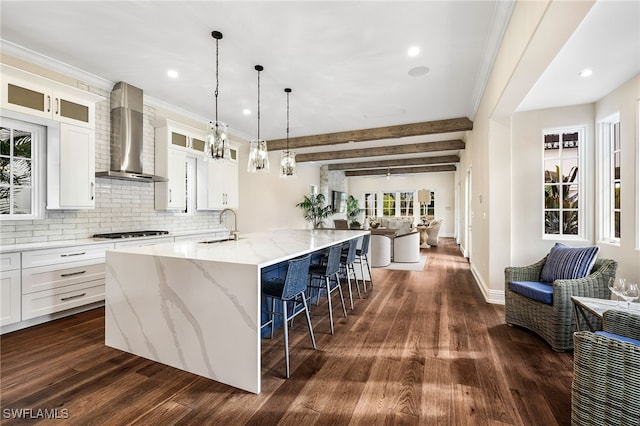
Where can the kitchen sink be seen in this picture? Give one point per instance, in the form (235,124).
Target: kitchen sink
(216,241)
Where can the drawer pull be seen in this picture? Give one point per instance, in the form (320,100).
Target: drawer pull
(73,254)
(70,274)
(74,297)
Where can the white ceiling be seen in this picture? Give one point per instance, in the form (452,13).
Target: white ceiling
(346,61)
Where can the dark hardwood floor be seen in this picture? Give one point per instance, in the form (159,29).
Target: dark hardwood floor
(421,348)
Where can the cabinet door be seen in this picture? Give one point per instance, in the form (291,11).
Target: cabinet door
(10,297)
(77,167)
(72,110)
(177,180)
(231,185)
(215,185)
(25,97)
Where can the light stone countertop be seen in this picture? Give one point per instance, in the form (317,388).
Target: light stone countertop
(260,249)
(12,248)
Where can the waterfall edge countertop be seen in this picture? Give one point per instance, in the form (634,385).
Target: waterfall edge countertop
(260,249)
(197,306)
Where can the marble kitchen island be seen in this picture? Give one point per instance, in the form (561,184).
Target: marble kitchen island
(197,306)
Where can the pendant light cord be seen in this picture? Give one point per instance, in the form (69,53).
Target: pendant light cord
(258,68)
(217,83)
(288,91)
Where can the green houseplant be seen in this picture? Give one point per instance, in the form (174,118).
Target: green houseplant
(314,209)
(353,212)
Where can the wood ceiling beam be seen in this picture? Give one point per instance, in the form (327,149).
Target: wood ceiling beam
(390,132)
(414,148)
(422,161)
(402,170)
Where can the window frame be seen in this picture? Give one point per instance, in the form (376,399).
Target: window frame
(582,185)
(40,133)
(606,179)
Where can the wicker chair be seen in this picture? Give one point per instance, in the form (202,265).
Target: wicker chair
(555,323)
(606,374)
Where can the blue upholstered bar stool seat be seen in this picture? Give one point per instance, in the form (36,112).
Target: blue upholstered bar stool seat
(362,258)
(347,260)
(290,289)
(327,272)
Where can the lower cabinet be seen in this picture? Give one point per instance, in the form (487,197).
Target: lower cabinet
(54,280)
(10,293)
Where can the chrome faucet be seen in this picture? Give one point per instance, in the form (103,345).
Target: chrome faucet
(235,234)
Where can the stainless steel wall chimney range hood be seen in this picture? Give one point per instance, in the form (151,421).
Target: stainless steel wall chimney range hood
(127,136)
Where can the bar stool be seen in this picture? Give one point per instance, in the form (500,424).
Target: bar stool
(346,266)
(362,258)
(290,289)
(327,272)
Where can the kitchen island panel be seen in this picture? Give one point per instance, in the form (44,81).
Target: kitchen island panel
(185,313)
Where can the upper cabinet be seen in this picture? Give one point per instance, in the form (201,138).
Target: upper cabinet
(218,183)
(174,144)
(69,115)
(36,98)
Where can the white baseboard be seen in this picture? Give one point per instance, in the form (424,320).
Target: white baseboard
(490,296)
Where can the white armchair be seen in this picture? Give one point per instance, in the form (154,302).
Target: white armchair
(380,251)
(406,248)
(432,232)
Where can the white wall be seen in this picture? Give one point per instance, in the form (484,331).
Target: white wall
(442,184)
(526,178)
(626,101)
(268,201)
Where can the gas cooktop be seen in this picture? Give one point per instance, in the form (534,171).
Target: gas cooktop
(130,234)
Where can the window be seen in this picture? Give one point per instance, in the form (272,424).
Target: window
(614,186)
(406,203)
(371,204)
(389,204)
(561,179)
(189,206)
(20,174)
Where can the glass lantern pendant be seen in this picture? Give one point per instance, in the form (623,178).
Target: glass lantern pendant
(216,143)
(288,159)
(258,155)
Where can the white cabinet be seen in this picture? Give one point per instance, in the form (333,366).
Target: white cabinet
(171,195)
(69,115)
(174,144)
(54,280)
(39,97)
(218,184)
(10,295)
(71,169)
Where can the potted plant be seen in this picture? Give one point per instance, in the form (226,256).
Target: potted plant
(314,209)
(353,212)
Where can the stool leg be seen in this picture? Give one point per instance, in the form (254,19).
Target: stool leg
(350,267)
(329,302)
(286,337)
(369,268)
(364,283)
(271,315)
(344,309)
(306,311)
(349,288)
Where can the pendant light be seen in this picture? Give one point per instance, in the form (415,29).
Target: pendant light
(216,144)
(288,160)
(258,155)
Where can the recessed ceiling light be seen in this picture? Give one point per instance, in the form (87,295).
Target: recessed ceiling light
(246,111)
(418,71)
(172,73)
(585,73)
(413,51)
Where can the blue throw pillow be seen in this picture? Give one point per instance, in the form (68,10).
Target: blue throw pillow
(568,263)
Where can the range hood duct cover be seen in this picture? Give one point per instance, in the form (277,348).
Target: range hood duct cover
(127,135)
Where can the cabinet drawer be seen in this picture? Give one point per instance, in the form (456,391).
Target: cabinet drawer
(64,255)
(50,277)
(59,299)
(9,261)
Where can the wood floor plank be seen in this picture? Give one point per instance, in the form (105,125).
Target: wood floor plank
(420,348)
